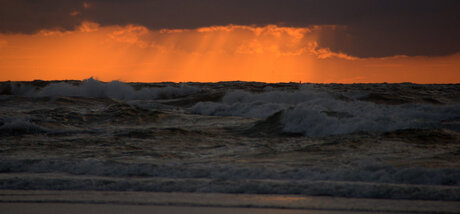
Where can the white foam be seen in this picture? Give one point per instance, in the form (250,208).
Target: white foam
(94,88)
(317,113)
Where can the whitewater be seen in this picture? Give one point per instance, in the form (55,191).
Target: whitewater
(364,141)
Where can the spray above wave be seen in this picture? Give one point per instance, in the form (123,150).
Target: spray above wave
(317,113)
(94,88)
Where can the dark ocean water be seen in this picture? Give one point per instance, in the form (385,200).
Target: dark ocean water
(392,141)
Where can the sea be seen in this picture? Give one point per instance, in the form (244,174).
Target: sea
(365,142)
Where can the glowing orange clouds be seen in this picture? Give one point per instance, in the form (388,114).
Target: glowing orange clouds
(218,53)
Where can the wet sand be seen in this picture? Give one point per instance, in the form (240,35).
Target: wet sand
(50,208)
(23,201)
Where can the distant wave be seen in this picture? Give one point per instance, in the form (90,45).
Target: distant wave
(94,88)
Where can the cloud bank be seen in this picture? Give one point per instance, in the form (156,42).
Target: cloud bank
(268,53)
(374,28)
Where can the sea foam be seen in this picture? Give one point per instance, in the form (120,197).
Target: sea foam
(94,88)
(317,113)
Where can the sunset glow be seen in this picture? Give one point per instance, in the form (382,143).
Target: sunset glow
(217,53)
(230,106)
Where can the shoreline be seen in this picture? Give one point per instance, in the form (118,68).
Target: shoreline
(48,208)
(17,201)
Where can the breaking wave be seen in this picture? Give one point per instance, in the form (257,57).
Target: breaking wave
(94,88)
(318,113)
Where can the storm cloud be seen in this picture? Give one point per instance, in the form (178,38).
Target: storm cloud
(368,28)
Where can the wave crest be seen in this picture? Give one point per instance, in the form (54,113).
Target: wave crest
(316,113)
(94,88)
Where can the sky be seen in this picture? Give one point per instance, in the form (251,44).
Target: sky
(320,41)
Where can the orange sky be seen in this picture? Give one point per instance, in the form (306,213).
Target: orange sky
(210,54)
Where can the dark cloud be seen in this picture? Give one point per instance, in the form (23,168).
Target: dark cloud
(29,16)
(375,28)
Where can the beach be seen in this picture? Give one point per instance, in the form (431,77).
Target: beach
(20,201)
